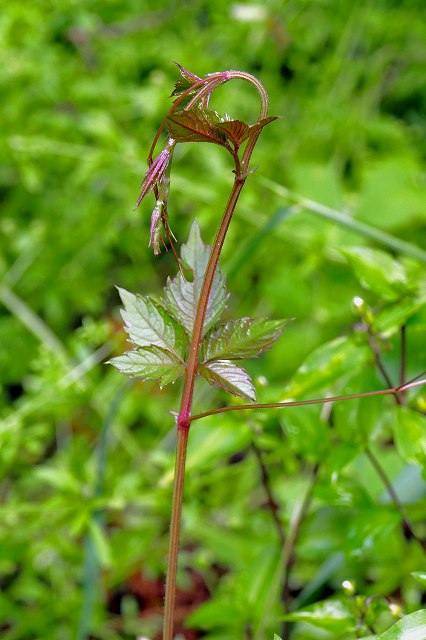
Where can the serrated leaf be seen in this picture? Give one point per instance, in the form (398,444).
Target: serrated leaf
(148,323)
(244,338)
(238,132)
(412,627)
(195,125)
(227,375)
(378,271)
(150,363)
(410,435)
(181,296)
(235,130)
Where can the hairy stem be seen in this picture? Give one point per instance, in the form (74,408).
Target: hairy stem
(185,409)
(172,560)
(192,363)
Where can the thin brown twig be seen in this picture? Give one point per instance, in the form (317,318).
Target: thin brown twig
(403,363)
(398,396)
(394,497)
(378,359)
(301,403)
(266,483)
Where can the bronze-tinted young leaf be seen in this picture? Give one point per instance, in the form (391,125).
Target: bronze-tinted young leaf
(195,125)
(255,128)
(181,295)
(244,338)
(227,375)
(148,324)
(150,363)
(186,82)
(235,130)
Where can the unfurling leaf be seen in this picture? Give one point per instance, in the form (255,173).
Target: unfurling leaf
(181,296)
(148,323)
(244,338)
(238,132)
(235,130)
(187,80)
(150,363)
(195,125)
(227,375)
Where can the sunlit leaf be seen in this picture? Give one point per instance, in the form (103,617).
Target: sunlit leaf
(150,363)
(327,364)
(332,615)
(148,323)
(244,338)
(390,320)
(377,271)
(410,435)
(182,295)
(420,577)
(411,627)
(230,377)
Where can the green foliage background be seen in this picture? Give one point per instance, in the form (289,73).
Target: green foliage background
(86,459)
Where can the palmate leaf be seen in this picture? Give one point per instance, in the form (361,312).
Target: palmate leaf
(181,296)
(148,323)
(150,363)
(195,125)
(227,375)
(244,338)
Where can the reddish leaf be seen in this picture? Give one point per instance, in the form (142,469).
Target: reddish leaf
(195,125)
(235,130)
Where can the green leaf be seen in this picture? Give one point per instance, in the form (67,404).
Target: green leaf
(244,338)
(377,271)
(230,377)
(420,577)
(390,320)
(150,363)
(100,541)
(195,125)
(148,323)
(411,627)
(410,435)
(332,615)
(276,637)
(182,295)
(327,364)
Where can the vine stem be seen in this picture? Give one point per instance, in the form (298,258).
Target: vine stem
(183,421)
(301,403)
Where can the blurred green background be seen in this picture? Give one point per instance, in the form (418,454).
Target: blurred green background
(85,458)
